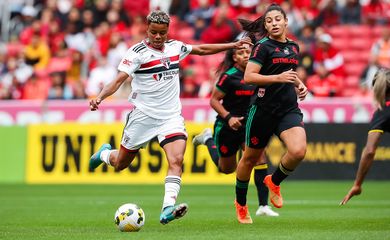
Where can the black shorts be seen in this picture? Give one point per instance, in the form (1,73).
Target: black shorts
(227,140)
(380,121)
(262,125)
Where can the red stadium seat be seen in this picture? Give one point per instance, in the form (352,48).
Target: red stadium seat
(59,64)
(340,31)
(354,69)
(360,44)
(352,81)
(360,31)
(340,43)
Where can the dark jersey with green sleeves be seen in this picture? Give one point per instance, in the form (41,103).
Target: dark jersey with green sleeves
(275,58)
(237,94)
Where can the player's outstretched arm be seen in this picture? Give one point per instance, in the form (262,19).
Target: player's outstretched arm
(108,90)
(207,49)
(364,165)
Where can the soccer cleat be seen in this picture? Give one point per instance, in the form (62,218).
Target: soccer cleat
(95,160)
(266,211)
(173,212)
(242,212)
(274,192)
(201,138)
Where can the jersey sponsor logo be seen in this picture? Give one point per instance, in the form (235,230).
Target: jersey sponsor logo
(244,92)
(261,92)
(126,62)
(285,60)
(166,62)
(167,75)
(157,76)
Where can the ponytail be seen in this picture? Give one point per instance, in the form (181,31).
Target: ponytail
(381,86)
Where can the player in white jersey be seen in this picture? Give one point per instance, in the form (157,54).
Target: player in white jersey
(153,66)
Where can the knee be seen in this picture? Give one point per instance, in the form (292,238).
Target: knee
(249,161)
(298,153)
(176,161)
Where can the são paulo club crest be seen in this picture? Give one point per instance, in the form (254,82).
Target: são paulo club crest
(166,62)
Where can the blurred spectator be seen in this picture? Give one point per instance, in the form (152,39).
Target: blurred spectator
(205,12)
(74,19)
(117,5)
(138,29)
(101,75)
(100,10)
(59,89)
(380,57)
(380,50)
(35,89)
(56,39)
(37,52)
(74,74)
(222,29)
(350,13)
(179,8)
(305,58)
(329,15)
(324,83)
(295,18)
(87,19)
(307,37)
(329,57)
(245,6)
(117,50)
(160,5)
(20,21)
(375,12)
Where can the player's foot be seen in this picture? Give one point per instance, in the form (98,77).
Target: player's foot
(95,160)
(266,211)
(243,215)
(173,212)
(202,137)
(274,192)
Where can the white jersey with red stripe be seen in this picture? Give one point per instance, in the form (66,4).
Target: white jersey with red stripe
(155,84)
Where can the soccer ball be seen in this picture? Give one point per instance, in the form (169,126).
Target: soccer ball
(129,218)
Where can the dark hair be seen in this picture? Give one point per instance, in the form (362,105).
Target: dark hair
(256,29)
(158,17)
(227,62)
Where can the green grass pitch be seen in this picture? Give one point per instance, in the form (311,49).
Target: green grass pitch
(311,211)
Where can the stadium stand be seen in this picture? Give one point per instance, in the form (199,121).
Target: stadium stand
(79,33)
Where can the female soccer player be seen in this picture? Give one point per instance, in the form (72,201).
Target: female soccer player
(153,65)
(271,67)
(380,123)
(230,99)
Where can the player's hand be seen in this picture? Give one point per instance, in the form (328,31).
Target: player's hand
(243,43)
(287,76)
(355,190)
(302,91)
(94,104)
(235,123)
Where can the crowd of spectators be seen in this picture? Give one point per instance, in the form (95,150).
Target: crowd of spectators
(68,49)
